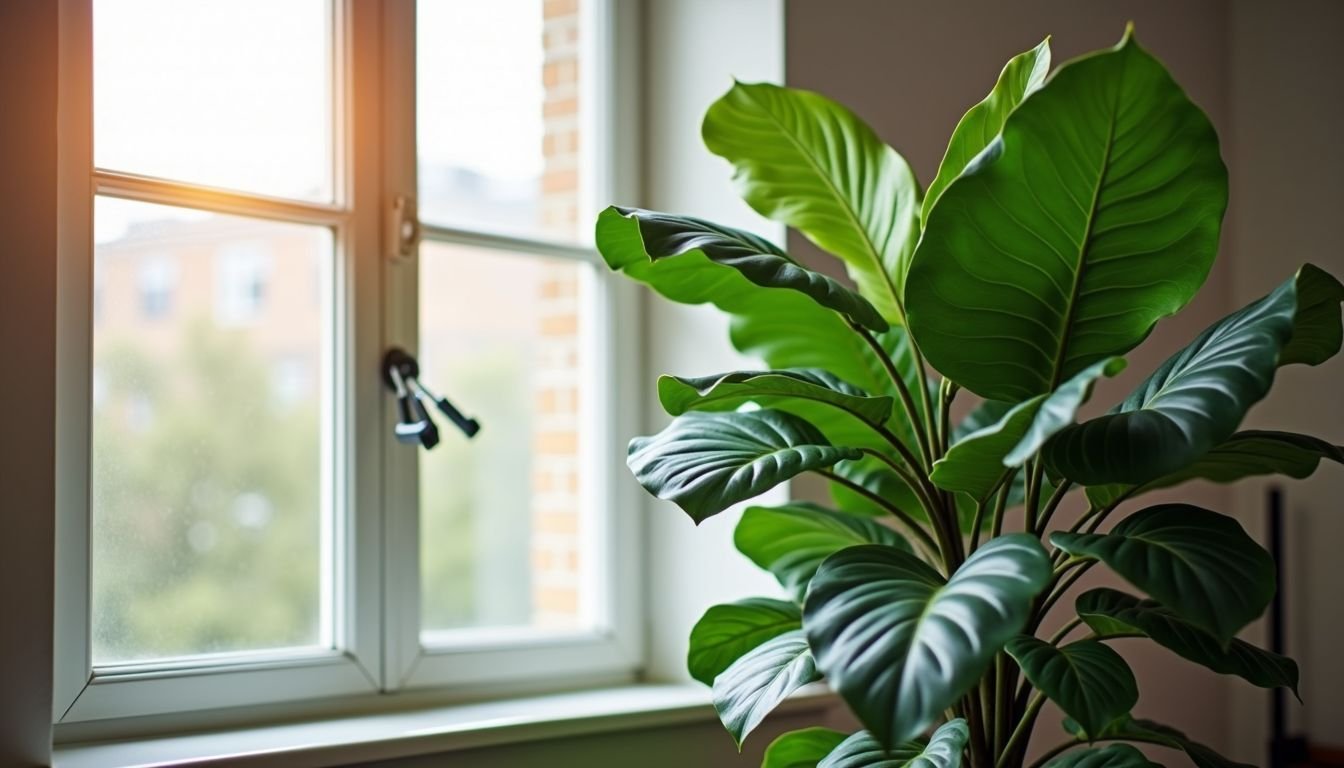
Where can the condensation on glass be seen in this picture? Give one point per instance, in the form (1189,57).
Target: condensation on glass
(226,93)
(501,515)
(500,112)
(210,383)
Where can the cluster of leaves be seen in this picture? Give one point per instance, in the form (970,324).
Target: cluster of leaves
(1072,212)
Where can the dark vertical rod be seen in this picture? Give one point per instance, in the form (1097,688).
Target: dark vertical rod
(1278,704)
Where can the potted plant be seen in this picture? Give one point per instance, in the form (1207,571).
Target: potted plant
(1074,209)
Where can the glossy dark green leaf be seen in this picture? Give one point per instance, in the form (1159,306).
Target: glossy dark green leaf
(1022,74)
(785,328)
(1149,732)
(1197,398)
(707,462)
(726,632)
(728,391)
(1089,681)
(802,748)
(664,236)
(1112,756)
(755,684)
(900,644)
(1249,453)
(804,160)
(791,541)
(976,463)
(984,414)
(1094,214)
(1198,563)
(943,750)
(1112,613)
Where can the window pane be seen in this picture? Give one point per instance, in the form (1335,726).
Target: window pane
(499,117)
(209,386)
(229,93)
(501,534)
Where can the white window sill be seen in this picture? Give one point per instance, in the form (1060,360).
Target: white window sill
(421,732)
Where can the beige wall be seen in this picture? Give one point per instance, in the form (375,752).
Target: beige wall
(913,68)
(1287,70)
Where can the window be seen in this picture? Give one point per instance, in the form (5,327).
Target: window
(249,531)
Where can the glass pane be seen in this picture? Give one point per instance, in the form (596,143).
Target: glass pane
(499,117)
(209,381)
(501,542)
(229,93)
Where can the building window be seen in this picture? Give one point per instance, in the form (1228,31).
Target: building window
(255,532)
(156,280)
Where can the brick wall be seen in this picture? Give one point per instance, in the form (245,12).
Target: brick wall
(555,482)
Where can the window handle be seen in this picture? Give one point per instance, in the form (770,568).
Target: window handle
(401,374)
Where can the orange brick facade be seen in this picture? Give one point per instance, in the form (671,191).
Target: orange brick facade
(556,480)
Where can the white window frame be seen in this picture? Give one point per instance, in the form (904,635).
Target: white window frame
(370,541)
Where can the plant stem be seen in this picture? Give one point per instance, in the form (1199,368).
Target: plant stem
(1001,702)
(1022,730)
(1051,505)
(1064,631)
(975,722)
(1035,471)
(918,425)
(1001,489)
(915,528)
(1002,504)
(947,392)
(1063,586)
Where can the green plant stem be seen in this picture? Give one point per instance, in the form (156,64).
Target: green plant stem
(1035,471)
(981,506)
(1022,730)
(915,529)
(947,392)
(1002,504)
(917,425)
(1051,505)
(1063,586)
(1064,631)
(1001,702)
(949,541)
(975,722)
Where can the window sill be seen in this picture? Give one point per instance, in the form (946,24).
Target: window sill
(421,732)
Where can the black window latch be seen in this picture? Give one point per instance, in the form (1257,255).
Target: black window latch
(401,374)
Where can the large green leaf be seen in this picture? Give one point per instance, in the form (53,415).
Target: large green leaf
(785,328)
(707,462)
(806,161)
(1198,563)
(1195,400)
(1113,756)
(1149,732)
(664,235)
(1094,214)
(791,541)
(943,750)
(802,748)
(728,391)
(727,632)
(1112,613)
(755,684)
(900,644)
(976,463)
(1245,454)
(1089,681)
(1022,74)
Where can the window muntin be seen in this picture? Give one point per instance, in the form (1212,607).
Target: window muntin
(205,490)
(225,93)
